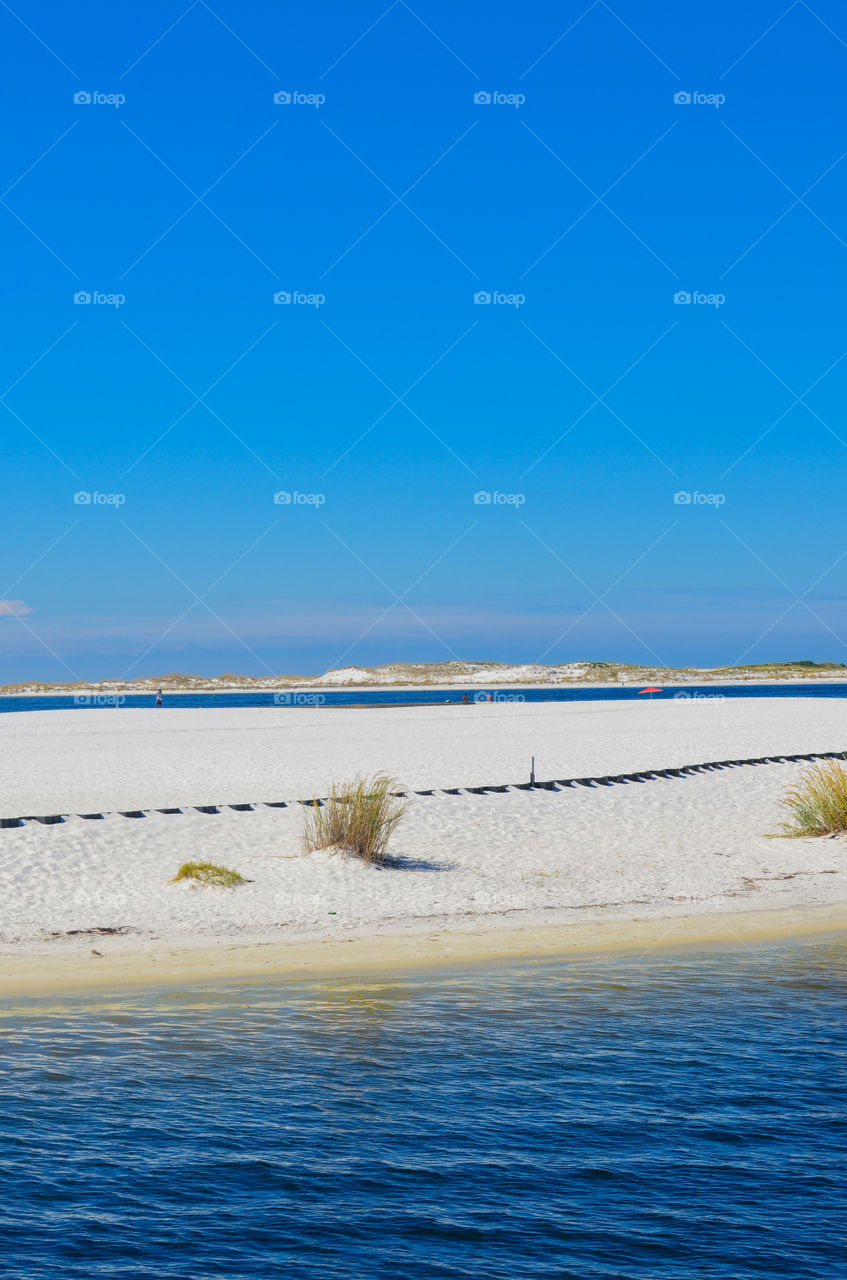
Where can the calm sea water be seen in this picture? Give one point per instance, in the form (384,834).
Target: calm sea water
(411,697)
(653,1118)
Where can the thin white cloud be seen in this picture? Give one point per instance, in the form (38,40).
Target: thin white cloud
(13,608)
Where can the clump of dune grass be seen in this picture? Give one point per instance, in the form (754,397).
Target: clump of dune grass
(208,874)
(358,817)
(818,804)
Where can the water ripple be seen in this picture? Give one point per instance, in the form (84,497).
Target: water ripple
(620,1119)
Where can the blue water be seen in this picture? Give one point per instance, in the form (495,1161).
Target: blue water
(649,1118)
(414,697)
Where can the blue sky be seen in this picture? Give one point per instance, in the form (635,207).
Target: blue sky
(639,152)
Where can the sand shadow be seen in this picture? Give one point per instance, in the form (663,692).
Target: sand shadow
(402,862)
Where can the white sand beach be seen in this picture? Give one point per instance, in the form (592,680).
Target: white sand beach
(82,900)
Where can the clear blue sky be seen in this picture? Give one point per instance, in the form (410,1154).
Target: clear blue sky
(397,199)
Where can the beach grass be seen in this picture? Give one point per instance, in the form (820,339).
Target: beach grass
(208,874)
(358,818)
(818,804)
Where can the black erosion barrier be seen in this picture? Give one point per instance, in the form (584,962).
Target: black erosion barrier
(556,784)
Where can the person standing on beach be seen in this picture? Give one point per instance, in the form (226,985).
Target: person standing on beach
(158,697)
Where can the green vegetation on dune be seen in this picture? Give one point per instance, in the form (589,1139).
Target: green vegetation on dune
(207,874)
(358,818)
(800,664)
(818,804)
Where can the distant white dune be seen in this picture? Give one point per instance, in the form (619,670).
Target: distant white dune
(451,675)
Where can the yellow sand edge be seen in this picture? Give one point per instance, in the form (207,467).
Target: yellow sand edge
(31,973)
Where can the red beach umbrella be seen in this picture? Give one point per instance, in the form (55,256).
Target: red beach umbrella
(651,691)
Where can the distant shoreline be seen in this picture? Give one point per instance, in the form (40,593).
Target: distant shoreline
(456,675)
(378,687)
